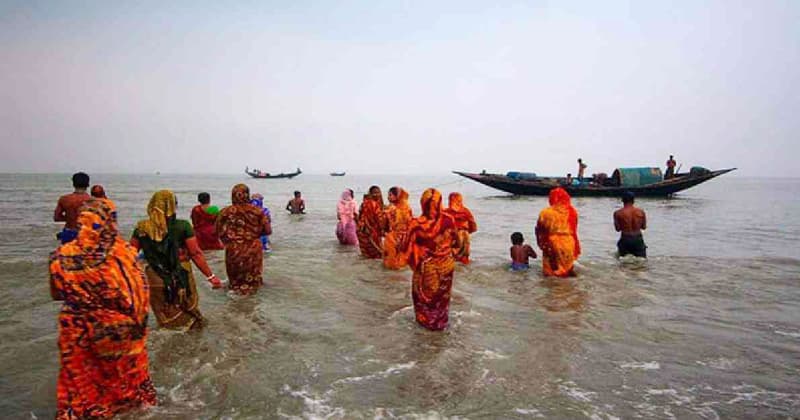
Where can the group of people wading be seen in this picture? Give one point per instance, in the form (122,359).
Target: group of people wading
(107,292)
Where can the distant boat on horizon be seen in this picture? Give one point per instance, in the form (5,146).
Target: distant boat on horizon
(255,173)
(338,173)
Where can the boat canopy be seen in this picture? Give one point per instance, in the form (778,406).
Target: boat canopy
(637,177)
(519,176)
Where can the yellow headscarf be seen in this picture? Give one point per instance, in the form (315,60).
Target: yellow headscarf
(160,208)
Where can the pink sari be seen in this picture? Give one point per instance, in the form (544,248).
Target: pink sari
(346,210)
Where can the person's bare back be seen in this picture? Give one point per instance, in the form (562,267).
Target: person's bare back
(521,253)
(630,220)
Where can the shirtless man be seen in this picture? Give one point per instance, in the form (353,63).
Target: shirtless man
(581,169)
(296,205)
(630,221)
(68,207)
(670,168)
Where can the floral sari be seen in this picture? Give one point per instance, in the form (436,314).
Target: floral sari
(397,218)
(465,225)
(557,235)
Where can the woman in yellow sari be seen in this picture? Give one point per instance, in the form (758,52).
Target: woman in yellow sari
(465,225)
(557,235)
(397,217)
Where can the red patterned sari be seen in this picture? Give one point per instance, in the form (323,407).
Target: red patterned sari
(204,229)
(240,227)
(369,228)
(397,218)
(432,237)
(102,327)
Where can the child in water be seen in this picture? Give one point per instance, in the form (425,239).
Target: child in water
(520,252)
(258,201)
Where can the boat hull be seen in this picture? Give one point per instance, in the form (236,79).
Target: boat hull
(276,176)
(542,186)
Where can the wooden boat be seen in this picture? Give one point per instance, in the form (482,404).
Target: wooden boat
(337,173)
(588,187)
(263,175)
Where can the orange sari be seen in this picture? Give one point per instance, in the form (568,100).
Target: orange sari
(465,225)
(432,237)
(102,327)
(557,235)
(369,228)
(397,218)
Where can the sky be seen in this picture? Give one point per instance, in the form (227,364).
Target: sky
(398,87)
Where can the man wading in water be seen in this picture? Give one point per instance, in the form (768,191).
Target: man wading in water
(630,221)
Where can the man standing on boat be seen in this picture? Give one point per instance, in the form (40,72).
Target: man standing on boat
(630,221)
(670,168)
(581,169)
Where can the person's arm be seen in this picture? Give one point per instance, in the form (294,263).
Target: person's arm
(473,227)
(59,215)
(289,206)
(55,285)
(267,227)
(616,221)
(199,260)
(303,206)
(540,234)
(511,251)
(644,220)
(530,251)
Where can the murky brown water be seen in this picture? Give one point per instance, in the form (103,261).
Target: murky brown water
(708,327)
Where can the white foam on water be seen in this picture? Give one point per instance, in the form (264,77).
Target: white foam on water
(533,412)
(641,365)
(316,407)
(754,393)
(720,363)
(571,390)
(401,311)
(491,355)
(788,334)
(391,370)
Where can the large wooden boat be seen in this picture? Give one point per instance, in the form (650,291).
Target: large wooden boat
(264,175)
(590,187)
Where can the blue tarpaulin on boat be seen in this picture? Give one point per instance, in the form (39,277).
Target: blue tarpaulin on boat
(521,175)
(637,177)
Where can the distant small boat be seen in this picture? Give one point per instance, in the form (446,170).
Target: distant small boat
(265,175)
(337,173)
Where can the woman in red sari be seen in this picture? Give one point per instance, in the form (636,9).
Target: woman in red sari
(432,238)
(370,224)
(102,327)
(465,225)
(240,227)
(397,217)
(557,235)
(203,223)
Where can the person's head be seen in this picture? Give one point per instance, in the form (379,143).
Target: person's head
(204,198)
(352,193)
(559,196)
(393,194)
(455,201)
(257,200)
(98,191)
(627,197)
(297,194)
(569,175)
(80,181)
(580,160)
(670,156)
(517,238)
(240,194)
(375,192)
(431,203)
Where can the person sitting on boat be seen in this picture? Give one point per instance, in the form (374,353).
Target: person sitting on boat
(670,168)
(68,208)
(568,180)
(630,221)
(520,252)
(296,205)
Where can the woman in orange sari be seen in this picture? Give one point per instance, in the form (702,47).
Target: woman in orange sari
(557,235)
(397,217)
(102,327)
(240,227)
(432,238)
(370,224)
(465,225)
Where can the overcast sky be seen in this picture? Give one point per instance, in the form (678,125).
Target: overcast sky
(398,87)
